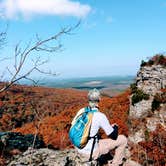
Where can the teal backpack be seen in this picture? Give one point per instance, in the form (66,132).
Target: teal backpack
(79,131)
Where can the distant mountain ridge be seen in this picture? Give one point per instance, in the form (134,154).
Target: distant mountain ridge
(87,83)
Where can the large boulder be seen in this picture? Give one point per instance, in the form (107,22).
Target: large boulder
(151,79)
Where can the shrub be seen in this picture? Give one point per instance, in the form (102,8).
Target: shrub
(147,135)
(143,63)
(138,96)
(133,88)
(151,62)
(155,104)
(162,60)
(159,98)
(158,59)
(155,148)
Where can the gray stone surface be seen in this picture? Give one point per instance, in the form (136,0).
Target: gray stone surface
(141,109)
(137,136)
(151,79)
(47,157)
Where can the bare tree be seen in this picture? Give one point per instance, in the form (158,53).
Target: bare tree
(3,35)
(21,56)
(2,38)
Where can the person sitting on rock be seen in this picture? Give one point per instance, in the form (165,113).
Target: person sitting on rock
(103,146)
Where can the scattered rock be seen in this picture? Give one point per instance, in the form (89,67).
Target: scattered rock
(141,109)
(48,157)
(137,136)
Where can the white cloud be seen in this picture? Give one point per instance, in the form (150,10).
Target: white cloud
(28,8)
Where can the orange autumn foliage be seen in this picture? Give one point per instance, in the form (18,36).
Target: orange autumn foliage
(54,129)
(155,147)
(23,104)
(48,112)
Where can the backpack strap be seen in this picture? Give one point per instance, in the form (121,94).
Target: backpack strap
(93,145)
(94,141)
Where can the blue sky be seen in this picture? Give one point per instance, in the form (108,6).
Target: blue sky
(112,39)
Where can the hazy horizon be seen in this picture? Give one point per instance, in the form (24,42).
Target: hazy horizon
(114,83)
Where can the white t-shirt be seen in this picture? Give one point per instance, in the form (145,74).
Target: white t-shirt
(99,120)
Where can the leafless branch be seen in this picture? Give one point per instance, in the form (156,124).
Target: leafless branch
(21,56)
(32,80)
(3,36)
(2,39)
(45,72)
(9,71)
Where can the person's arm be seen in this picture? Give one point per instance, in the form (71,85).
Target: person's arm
(114,134)
(110,130)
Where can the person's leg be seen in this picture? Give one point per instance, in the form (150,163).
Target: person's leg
(120,150)
(105,145)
